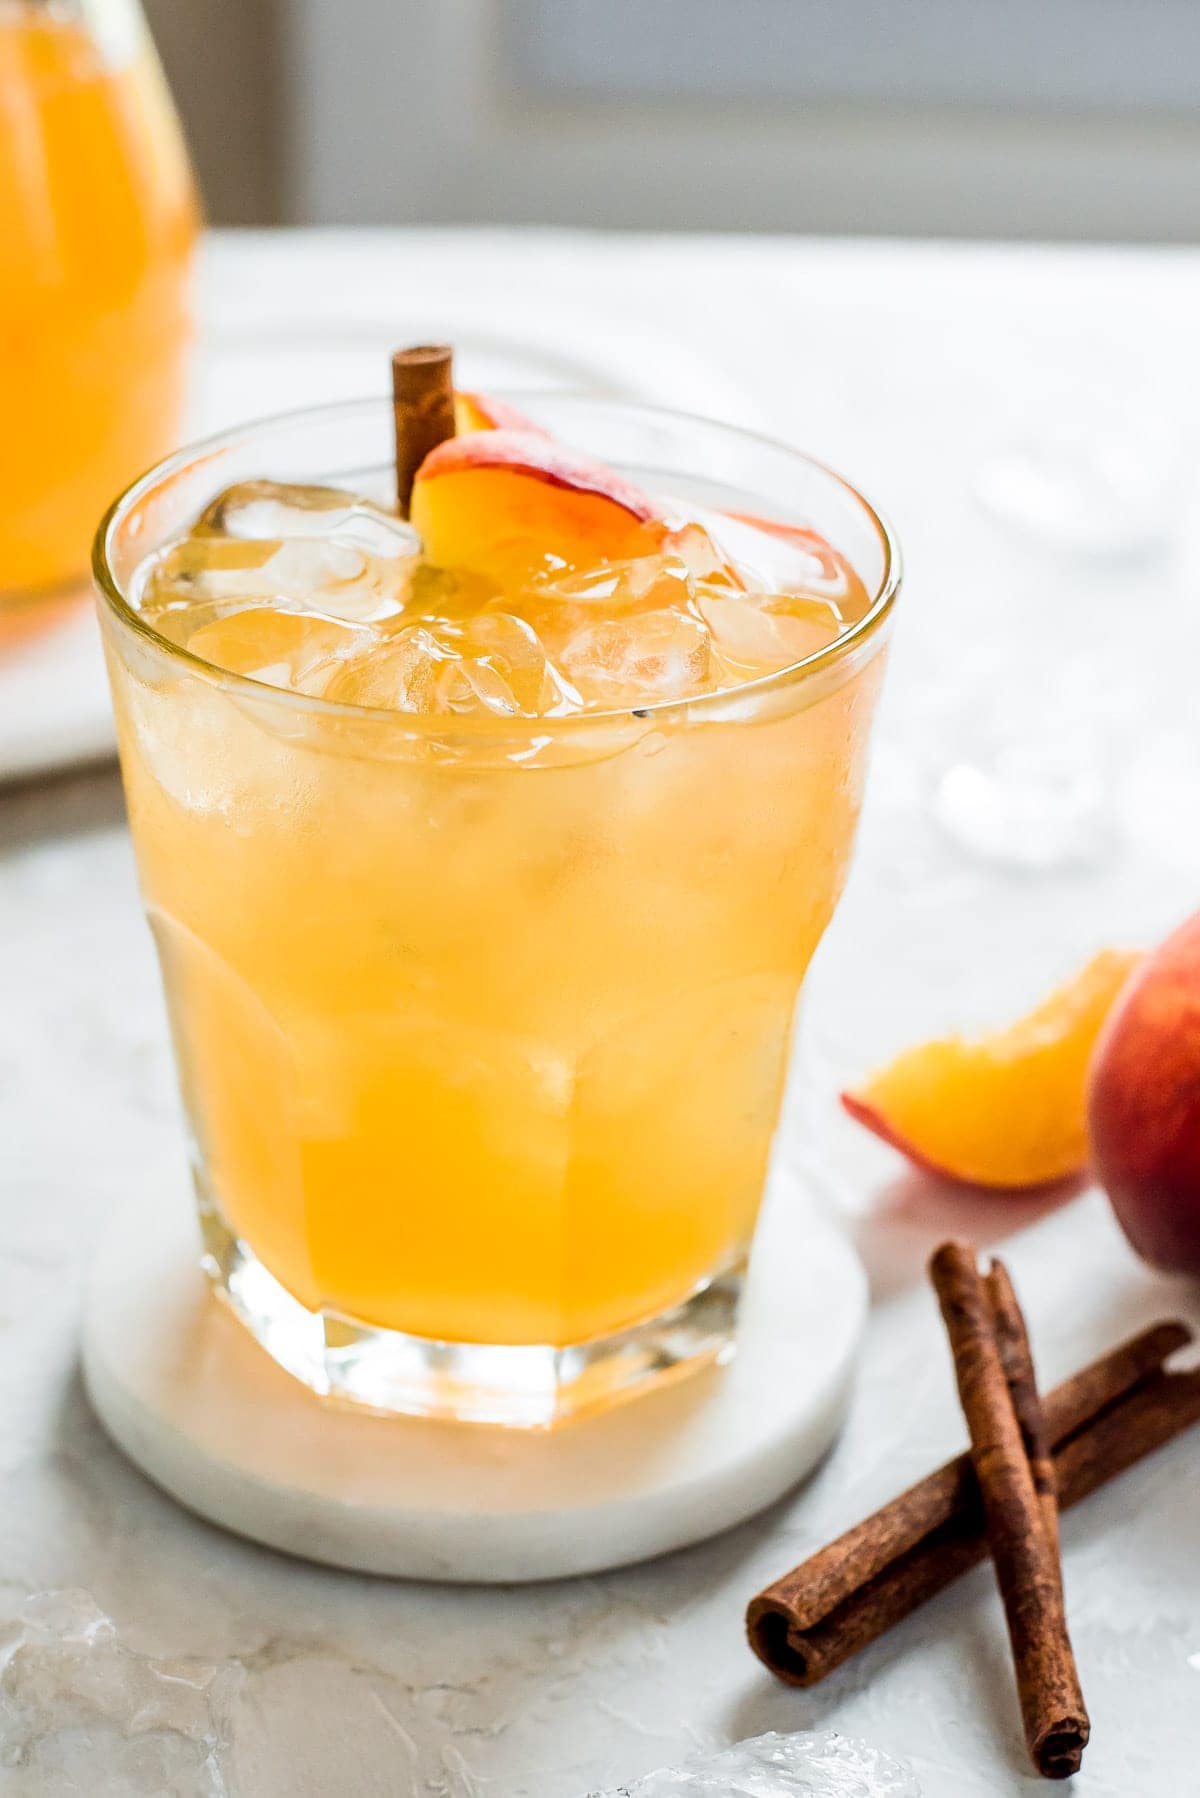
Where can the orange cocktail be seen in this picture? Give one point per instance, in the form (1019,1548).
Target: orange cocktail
(485,865)
(97,224)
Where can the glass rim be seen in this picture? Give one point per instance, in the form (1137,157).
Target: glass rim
(698,706)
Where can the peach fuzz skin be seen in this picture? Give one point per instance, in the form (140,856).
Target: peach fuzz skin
(1144,1105)
(537,456)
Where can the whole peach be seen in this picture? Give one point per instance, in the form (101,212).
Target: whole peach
(1144,1104)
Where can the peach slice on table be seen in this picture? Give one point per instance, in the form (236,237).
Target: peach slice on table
(1006,1111)
(480,412)
(499,502)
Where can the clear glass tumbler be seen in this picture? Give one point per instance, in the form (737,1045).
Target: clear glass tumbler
(482,1025)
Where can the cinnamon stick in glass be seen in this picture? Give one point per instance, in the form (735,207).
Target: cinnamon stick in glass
(1023,1550)
(1100,1421)
(423,407)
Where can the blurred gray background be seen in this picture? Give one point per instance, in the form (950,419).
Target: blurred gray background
(961,118)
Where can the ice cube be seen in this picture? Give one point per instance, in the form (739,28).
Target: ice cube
(473,685)
(643,582)
(80,1713)
(503,656)
(297,547)
(757,631)
(275,510)
(297,650)
(398,675)
(700,555)
(645,656)
(227,574)
(827,1765)
(199,571)
(494,663)
(789,558)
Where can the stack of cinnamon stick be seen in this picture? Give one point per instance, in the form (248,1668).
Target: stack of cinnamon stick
(1029,1458)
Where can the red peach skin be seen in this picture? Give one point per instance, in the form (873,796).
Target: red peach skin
(1144,1105)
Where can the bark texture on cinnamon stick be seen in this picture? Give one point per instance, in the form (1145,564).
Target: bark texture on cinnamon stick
(1016,1361)
(1023,1550)
(1100,1421)
(423,406)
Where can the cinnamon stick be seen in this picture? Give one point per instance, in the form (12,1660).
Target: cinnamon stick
(423,407)
(1016,1361)
(1024,1552)
(1100,1421)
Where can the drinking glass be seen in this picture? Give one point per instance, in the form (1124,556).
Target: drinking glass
(482,1025)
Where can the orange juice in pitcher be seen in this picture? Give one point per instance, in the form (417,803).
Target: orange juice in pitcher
(98,220)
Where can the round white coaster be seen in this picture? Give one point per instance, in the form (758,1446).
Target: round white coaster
(192,1399)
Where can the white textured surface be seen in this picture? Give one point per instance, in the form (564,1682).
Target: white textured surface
(188,1394)
(776,1766)
(84,1716)
(906,366)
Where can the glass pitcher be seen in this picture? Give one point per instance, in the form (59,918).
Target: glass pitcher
(98,221)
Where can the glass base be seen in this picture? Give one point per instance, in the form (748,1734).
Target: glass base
(523,1386)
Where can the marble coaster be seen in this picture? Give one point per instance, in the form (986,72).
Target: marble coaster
(191,1398)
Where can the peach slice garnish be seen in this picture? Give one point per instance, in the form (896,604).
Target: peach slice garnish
(499,502)
(1006,1110)
(480,412)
